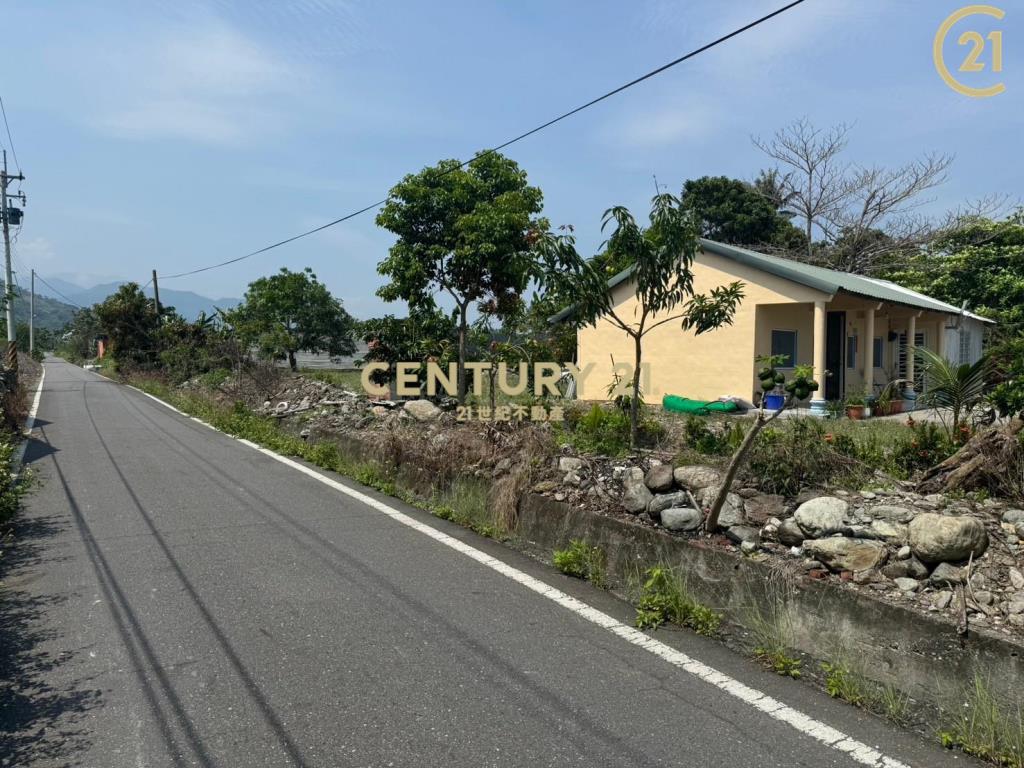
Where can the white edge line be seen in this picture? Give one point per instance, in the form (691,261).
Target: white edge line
(30,423)
(826,734)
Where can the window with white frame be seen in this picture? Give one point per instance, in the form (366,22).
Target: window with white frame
(784,343)
(965,346)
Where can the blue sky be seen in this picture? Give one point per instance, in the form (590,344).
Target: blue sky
(170,135)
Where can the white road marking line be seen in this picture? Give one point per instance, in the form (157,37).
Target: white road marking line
(30,423)
(826,734)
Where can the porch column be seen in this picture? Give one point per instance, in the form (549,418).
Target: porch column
(909,393)
(940,340)
(818,402)
(869,349)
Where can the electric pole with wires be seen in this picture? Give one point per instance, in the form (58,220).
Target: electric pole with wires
(10,216)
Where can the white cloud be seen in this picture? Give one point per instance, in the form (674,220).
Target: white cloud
(661,127)
(202,82)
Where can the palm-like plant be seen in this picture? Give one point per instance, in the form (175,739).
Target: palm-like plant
(960,388)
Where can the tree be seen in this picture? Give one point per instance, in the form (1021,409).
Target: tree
(959,388)
(467,232)
(735,212)
(798,388)
(839,201)
(292,311)
(662,255)
(129,320)
(426,334)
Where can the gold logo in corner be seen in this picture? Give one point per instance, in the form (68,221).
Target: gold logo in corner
(971,63)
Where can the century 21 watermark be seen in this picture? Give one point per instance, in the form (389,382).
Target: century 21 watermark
(412,379)
(983,51)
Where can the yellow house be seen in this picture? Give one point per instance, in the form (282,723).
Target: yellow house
(853,330)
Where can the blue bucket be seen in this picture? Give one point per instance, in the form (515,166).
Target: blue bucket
(774,401)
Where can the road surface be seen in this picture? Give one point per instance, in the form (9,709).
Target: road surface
(176,598)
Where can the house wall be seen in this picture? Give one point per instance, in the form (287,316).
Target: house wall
(705,367)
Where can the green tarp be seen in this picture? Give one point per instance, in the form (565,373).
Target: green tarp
(697,407)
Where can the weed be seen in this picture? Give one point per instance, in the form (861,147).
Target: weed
(893,703)
(981,726)
(779,661)
(665,598)
(841,682)
(770,619)
(583,562)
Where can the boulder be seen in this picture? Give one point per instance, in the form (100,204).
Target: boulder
(659,478)
(663,501)
(946,575)
(842,554)
(1013,516)
(570,464)
(681,518)
(636,497)
(891,512)
(907,584)
(790,533)
(423,410)
(697,476)
(758,508)
(822,516)
(632,476)
(909,568)
(936,538)
(740,534)
(732,510)
(1016,578)
(893,533)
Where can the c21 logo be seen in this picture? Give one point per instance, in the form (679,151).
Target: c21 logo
(973,61)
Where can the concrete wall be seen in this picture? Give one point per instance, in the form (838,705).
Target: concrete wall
(890,645)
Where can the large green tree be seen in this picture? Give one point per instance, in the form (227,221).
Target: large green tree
(292,311)
(662,254)
(128,318)
(735,212)
(467,232)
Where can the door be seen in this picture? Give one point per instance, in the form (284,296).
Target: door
(835,355)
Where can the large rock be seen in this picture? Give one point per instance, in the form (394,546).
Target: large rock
(697,477)
(570,464)
(732,509)
(940,539)
(757,509)
(681,518)
(790,533)
(822,516)
(842,554)
(636,497)
(632,476)
(892,513)
(1013,516)
(911,567)
(422,410)
(946,575)
(659,478)
(663,501)
(893,533)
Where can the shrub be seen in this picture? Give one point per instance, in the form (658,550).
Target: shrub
(12,489)
(926,446)
(582,561)
(602,431)
(798,454)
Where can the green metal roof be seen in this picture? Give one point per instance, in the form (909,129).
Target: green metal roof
(828,281)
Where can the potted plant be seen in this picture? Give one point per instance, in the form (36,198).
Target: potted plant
(890,399)
(855,404)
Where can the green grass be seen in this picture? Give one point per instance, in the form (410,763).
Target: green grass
(350,380)
(982,724)
(582,561)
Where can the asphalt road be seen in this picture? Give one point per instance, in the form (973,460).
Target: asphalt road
(174,597)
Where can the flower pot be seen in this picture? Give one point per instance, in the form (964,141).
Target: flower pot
(774,401)
(896,406)
(855,412)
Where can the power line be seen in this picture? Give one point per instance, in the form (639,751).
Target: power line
(499,147)
(9,139)
(66,299)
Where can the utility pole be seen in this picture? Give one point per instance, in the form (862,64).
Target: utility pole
(32,315)
(12,344)
(156,294)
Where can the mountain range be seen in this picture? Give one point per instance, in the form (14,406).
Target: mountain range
(188,304)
